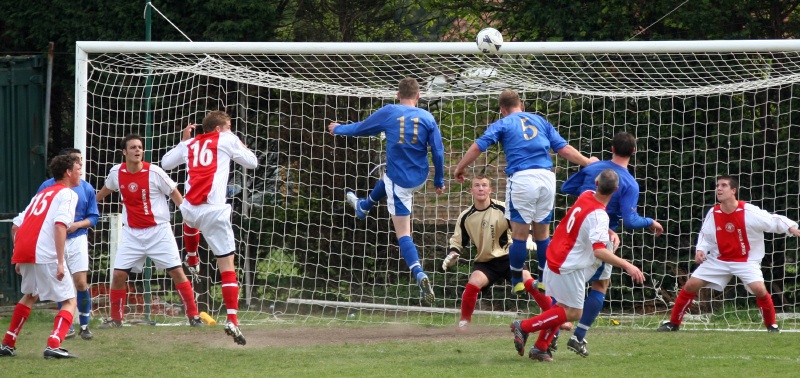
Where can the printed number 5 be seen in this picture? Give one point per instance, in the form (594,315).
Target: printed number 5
(526,127)
(203,154)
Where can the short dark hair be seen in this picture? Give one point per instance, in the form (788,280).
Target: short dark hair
(607,182)
(130,137)
(733,182)
(214,119)
(408,88)
(624,144)
(60,164)
(509,99)
(69,151)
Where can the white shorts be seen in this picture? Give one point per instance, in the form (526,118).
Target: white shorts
(40,279)
(718,273)
(137,244)
(398,199)
(530,195)
(214,222)
(600,270)
(76,254)
(568,288)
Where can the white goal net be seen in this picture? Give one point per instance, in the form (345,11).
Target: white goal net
(698,109)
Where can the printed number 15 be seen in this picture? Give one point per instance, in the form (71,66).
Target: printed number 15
(403,129)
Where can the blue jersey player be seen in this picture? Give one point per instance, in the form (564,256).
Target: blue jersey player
(409,132)
(527,139)
(76,251)
(622,205)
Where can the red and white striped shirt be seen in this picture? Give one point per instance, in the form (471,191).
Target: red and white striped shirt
(583,229)
(207,157)
(739,236)
(143,194)
(34,242)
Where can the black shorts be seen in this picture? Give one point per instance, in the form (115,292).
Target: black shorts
(495,270)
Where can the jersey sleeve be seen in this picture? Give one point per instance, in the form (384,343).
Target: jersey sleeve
(460,236)
(164,183)
(490,136)
(628,201)
(92,212)
(240,153)
(598,229)
(707,239)
(572,186)
(761,220)
(176,156)
(373,125)
(112,181)
(67,202)
(437,153)
(557,142)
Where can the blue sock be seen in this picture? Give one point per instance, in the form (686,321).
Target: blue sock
(591,310)
(84,307)
(409,252)
(541,253)
(517,255)
(377,194)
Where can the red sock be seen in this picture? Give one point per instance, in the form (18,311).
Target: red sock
(544,301)
(191,241)
(187,296)
(682,303)
(468,300)
(546,337)
(61,325)
(230,294)
(767,309)
(21,314)
(118,301)
(546,320)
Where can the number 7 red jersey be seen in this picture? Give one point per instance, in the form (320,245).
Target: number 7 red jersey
(208,157)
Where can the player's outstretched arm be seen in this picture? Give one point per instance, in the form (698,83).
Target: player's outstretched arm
(102,194)
(472,154)
(607,256)
(700,256)
(574,156)
(176,197)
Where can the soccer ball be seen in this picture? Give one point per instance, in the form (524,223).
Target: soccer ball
(489,40)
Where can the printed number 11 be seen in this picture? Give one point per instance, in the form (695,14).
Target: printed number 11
(403,129)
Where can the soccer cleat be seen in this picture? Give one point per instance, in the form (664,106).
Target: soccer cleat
(540,355)
(196,322)
(71,333)
(355,202)
(110,323)
(539,285)
(463,326)
(553,344)
(7,351)
(667,326)
(426,295)
(519,289)
(233,331)
(520,337)
(578,347)
(85,333)
(774,329)
(57,353)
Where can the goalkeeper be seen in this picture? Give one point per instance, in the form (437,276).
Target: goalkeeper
(485,225)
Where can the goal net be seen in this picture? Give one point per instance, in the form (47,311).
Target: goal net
(699,109)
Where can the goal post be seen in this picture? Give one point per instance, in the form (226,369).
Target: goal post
(698,108)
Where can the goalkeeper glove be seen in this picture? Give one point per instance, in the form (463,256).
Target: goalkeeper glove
(450,260)
(193,266)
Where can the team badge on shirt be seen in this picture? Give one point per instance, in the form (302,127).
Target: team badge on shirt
(133,187)
(730,227)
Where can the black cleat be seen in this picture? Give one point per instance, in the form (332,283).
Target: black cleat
(7,351)
(540,355)
(233,330)
(774,329)
(667,326)
(57,353)
(85,333)
(520,337)
(578,347)
(196,322)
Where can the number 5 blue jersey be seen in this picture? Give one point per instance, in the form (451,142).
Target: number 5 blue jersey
(409,131)
(527,140)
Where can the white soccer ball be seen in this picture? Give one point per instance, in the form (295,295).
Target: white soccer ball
(489,40)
